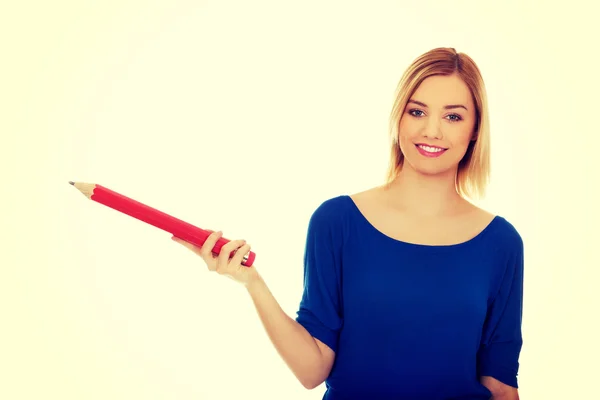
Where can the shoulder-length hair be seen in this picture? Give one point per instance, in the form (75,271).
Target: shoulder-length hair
(474,169)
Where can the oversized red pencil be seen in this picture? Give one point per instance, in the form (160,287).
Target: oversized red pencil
(152,216)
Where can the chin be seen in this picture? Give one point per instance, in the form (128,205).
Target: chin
(431,167)
(433,171)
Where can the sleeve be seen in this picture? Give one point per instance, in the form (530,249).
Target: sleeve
(320,307)
(502,339)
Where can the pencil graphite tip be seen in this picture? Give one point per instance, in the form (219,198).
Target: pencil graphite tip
(71,183)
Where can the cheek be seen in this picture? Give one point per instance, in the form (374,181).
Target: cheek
(405,137)
(407,146)
(463,137)
(406,131)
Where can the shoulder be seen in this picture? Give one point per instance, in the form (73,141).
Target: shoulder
(506,244)
(331,213)
(328,222)
(506,234)
(500,231)
(332,205)
(342,207)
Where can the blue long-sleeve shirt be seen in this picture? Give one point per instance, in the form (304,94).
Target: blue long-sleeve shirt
(410,321)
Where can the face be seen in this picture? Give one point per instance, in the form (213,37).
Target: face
(437,125)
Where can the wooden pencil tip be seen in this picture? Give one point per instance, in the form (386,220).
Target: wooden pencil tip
(71,183)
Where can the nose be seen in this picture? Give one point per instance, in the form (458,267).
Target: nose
(432,129)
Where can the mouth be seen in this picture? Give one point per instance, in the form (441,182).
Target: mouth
(430,151)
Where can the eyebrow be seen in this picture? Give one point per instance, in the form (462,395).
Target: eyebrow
(448,107)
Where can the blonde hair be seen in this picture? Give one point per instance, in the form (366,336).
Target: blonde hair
(474,169)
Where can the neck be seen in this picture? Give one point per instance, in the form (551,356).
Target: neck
(426,195)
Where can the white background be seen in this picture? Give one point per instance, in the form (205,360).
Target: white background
(244,117)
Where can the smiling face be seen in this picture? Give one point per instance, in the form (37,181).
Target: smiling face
(437,125)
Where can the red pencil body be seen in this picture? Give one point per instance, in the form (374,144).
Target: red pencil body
(159,219)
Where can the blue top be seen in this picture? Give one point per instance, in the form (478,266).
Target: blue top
(410,321)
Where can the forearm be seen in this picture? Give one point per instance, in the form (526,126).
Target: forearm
(499,390)
(292,341)
(511,395)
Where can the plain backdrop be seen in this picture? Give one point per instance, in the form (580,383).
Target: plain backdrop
(245,116)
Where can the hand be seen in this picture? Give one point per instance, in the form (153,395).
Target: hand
(221,264)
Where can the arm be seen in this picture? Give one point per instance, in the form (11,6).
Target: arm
(308,344)
(502,340)
(308,358)
(500,390)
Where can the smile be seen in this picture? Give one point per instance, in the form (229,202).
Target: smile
(430,151)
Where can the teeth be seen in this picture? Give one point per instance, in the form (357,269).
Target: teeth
(431,149)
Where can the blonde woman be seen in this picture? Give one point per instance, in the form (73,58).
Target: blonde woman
(410,290)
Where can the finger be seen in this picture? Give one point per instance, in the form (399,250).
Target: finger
(239,254)
(209,244)
(223,259)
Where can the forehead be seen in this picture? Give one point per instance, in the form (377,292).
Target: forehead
(441,90)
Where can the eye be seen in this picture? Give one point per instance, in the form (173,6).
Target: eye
(413,111)
(455,118)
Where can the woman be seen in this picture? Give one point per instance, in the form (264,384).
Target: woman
(410,290)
